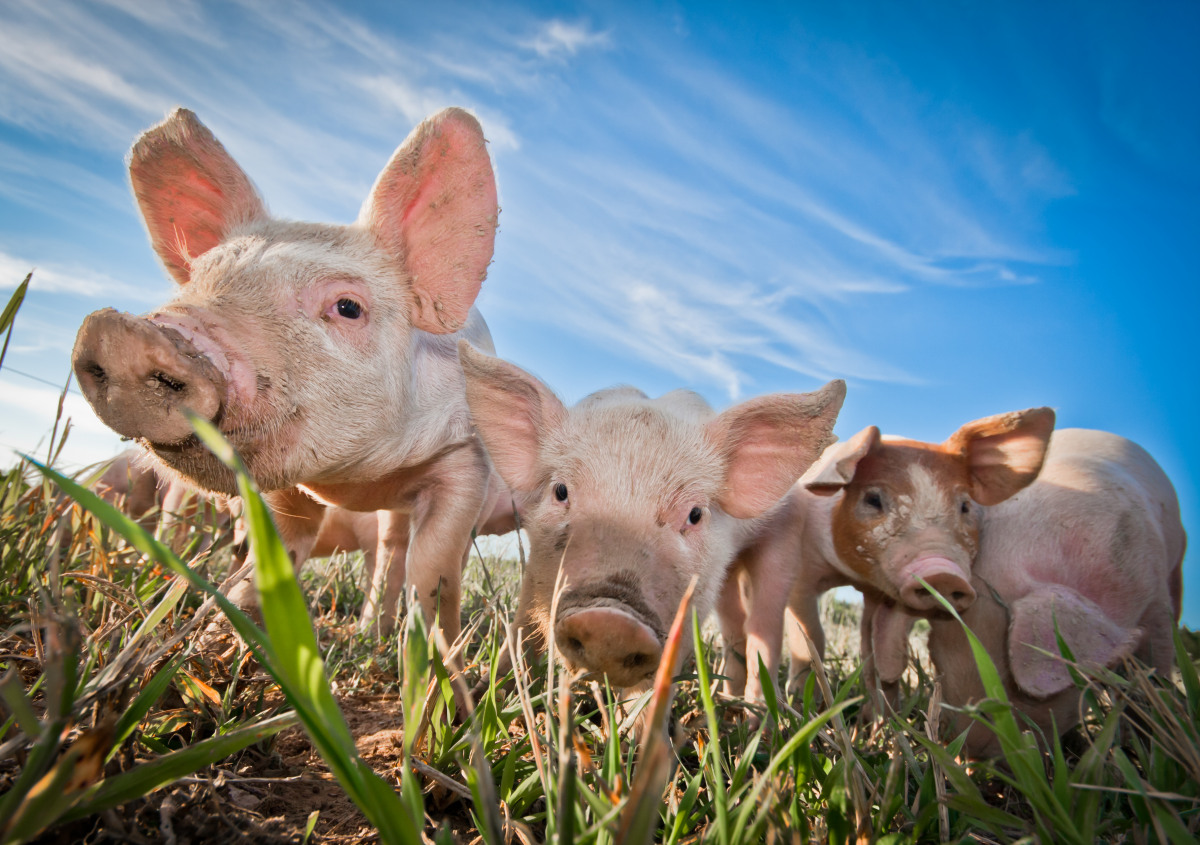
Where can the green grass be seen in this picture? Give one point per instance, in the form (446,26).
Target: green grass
(116,723)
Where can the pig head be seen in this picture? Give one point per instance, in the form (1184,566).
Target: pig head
(629,499)
(324,353)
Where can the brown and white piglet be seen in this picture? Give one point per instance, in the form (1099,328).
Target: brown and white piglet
(630,498)
(326,354)
(1022,529)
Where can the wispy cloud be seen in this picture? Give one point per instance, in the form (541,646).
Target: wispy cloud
(558,38)
(700,223)
(78,281)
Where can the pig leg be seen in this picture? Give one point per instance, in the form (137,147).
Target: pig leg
(890,626)
(1158,645)
(298,518)
(1033,650)
(768,587)
(803,618)
(731,612)
(386,571)
(442,520)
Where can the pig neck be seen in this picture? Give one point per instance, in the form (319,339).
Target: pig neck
(433,421)
(819,555)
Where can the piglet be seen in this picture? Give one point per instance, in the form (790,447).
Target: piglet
(630,498)
(1092,545)
(326,354)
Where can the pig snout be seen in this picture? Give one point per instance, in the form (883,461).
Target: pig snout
(945,576)
(139,377)
(609,641)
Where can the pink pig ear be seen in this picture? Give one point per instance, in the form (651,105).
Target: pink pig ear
(1093,638)
(513,412)
(191,192)
(837,466)
(1004,453)
(769,442)
(435,208)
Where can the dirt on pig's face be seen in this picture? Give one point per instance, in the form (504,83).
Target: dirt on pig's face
(305,322)
(908,512)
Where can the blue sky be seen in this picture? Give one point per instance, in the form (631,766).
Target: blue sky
(961,210)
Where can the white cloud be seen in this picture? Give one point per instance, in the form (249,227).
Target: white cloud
(557,38)
(416,103)
(60,279)
(27,417)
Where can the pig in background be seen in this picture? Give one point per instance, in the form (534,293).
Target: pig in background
(325,354)
(164,505)
(1092,542)
(630,498)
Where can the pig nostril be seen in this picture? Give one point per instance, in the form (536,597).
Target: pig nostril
(573,644)
(958,595)
(637,660)
(168,382)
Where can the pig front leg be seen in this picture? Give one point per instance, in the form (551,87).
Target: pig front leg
(731,612)
(298,519)
(443,517)
(385,565)
(803,624)
(767,587)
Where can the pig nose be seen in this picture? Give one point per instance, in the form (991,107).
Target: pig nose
(943,575)
(140,377)
(609,641)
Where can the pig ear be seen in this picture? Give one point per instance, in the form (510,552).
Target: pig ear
(1093,638)
(191,192)
(837,466)
(769,442)
(512,411)
(1004,453)
(434,207)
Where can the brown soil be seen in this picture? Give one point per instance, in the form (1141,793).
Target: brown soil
(268,795)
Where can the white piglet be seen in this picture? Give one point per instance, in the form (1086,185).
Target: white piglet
(628,498)
(326,354)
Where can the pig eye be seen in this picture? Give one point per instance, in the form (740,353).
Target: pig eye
(695,515)
(349,309)
(873,499)
(560,492)
(965,508)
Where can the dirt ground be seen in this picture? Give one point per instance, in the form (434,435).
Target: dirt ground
(269,794)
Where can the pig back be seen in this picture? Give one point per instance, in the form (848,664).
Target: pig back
(1102,519)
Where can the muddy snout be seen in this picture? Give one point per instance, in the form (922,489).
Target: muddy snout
(610,638)
(944,575)
(139,377)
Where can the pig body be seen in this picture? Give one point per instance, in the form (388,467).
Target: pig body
(1094,543)
(628,499)
(325,354)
